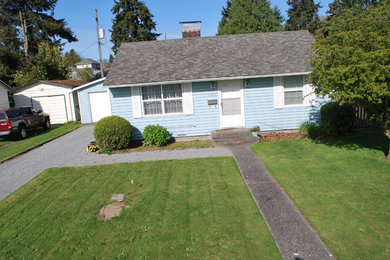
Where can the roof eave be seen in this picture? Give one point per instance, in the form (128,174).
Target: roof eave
(89,84)
(207,79)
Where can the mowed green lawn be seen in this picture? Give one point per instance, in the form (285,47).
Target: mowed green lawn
(341,187)
(197,208)
(11,147)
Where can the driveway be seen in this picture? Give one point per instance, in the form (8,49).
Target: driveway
(70,150)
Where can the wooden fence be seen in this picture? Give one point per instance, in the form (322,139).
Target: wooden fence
(362,117)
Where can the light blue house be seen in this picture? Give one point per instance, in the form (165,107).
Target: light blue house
(198,85)
(94,101)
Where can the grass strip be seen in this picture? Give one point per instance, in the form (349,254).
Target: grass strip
(16,148)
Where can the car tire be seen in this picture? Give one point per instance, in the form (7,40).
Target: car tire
(46,124)
(22,132)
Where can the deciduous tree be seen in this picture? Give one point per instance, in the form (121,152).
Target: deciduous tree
(351,59)
(46,64)
(337,6)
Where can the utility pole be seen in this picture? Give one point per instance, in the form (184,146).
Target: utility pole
(99,45)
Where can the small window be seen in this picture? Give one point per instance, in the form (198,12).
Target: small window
(166,99)
(293,90)
(27,110)
(13,113)
(3,117)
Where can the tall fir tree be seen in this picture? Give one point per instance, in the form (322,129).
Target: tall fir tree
(24,24)
(225,15)
(278,15)
(133,22)
(337,6)
(303,15)
(35,22)
(250,16)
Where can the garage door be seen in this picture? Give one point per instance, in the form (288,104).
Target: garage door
(100,105)
(54,106)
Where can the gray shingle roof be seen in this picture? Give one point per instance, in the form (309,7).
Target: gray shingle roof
(240,55)
(86,62)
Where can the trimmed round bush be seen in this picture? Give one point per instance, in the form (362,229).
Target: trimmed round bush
(339,117)
(113,133)
(155,135)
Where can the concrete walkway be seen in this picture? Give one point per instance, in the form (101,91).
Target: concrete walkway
(70,150)
(292,233)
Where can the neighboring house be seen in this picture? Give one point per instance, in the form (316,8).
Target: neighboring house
(94,101)
(88,63)
(4,89)
(54,97)
(197,85)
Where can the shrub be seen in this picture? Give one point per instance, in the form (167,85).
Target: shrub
(155,135)
(318,131)
(113,133)
(339,117)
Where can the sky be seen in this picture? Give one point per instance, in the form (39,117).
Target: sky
(79,14)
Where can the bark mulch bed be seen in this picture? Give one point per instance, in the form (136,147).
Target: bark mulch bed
(277,136)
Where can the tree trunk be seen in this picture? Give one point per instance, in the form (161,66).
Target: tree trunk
(387,132)
(24,32)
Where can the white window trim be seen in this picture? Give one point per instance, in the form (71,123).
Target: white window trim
(292,90)
(162,99)
(308,94)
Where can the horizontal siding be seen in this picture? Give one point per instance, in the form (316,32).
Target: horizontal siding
(23,98)
(44,90)
(83,94)
(204,120)
(259,108)
(4,103)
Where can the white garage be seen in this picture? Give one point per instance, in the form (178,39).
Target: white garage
(54,97)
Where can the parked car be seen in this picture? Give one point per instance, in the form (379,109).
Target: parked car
(18,120)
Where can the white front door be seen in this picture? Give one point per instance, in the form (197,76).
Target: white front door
(100,105)
(231,112)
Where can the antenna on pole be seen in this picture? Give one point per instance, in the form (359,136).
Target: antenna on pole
(99,44)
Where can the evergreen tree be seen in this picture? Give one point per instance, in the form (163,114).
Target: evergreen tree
(34,22)
(337,6)
(225,15)
(132,23)
(250,16)
(71,58)
(278,15)
(303,15)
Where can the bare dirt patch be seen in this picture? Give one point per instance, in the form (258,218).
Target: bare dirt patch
(112,210)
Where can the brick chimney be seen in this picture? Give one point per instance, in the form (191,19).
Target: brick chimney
(190,29)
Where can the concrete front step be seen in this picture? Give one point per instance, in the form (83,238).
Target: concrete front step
(233,137)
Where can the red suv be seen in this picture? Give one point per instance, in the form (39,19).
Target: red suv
(18,119)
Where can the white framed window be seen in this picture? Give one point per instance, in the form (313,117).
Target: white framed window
(293,90)
(162,99)
(290,91)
